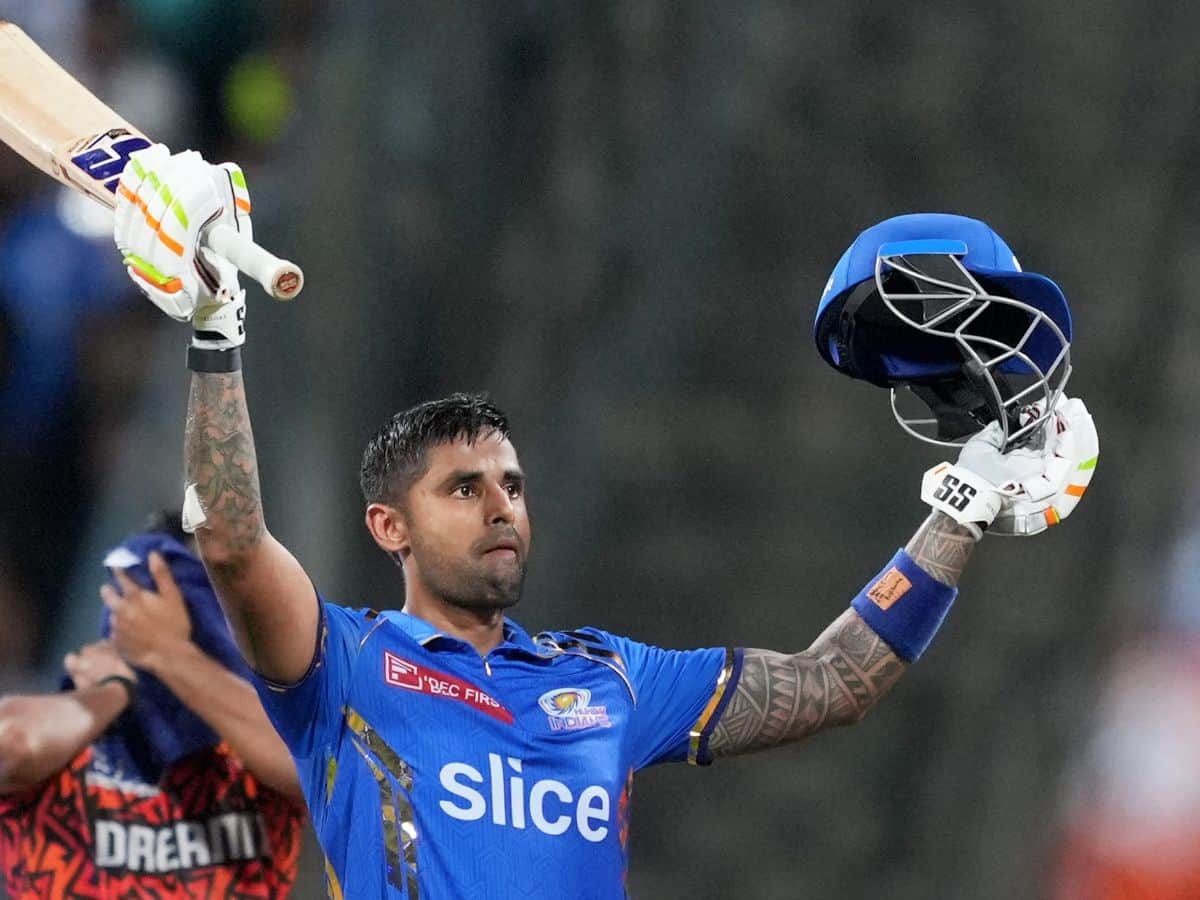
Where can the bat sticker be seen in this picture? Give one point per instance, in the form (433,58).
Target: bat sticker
(105,156)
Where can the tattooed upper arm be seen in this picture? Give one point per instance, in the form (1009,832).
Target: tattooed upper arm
(783,697)
(269,600)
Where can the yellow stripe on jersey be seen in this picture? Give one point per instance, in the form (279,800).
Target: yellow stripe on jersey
(333,887)
(399,834)
(714,701)
(330,778)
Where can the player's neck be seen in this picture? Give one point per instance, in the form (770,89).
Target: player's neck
(483,629)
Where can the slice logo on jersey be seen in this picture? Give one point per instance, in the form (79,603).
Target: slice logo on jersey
(509,796)
(570,709)
(402,673)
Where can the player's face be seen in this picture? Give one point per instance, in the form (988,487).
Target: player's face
(468,528)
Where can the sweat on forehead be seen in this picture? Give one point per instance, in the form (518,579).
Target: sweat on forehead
(396,455)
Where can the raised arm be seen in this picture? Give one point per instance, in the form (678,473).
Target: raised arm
(41,733)
(783,697)
(164,204)
(268,598)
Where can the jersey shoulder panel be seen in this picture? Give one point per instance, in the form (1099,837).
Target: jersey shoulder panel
(340,625)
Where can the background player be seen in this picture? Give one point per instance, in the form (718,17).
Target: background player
(442,749)
(156,770)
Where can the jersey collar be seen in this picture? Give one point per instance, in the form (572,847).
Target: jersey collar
(515,637)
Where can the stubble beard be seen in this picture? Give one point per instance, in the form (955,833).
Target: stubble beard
(481,593)
(468,586)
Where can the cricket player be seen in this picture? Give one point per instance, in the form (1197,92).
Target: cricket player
(444,751)
(155,773)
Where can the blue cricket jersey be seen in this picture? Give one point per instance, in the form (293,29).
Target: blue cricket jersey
(434,773)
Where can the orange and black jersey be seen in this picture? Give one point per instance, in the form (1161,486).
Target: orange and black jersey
(208,829)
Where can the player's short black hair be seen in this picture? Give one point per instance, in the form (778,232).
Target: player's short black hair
(395,456)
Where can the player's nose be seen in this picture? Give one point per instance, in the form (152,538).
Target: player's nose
(499,506)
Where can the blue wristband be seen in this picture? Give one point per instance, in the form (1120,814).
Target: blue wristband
(905,606)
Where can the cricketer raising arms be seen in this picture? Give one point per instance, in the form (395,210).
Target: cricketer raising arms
(444,751)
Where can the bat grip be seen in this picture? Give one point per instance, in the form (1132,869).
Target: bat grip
(281,279)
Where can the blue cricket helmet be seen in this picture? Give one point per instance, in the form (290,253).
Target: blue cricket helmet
(938,304)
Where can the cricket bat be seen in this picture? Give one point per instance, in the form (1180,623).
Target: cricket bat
(62,128)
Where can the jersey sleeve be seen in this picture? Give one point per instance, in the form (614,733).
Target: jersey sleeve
(308,713)
(680,696)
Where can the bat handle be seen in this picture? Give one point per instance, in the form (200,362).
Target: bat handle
(281,279)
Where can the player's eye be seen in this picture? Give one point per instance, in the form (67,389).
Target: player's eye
(465,490)
(515,489)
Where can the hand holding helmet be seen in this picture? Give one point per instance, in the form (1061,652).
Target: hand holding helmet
(936,307)
(1026,490)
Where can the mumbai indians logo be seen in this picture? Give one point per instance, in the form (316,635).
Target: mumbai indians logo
(568,709)
(104,157)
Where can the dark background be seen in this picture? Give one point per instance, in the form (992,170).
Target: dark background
(617,219)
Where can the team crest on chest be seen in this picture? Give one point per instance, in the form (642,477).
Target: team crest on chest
(570,709)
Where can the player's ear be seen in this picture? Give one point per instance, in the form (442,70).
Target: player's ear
(389,528)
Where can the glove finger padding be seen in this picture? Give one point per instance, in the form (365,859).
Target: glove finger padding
(163,202)
(135,231)
(240,196)
(127,191)
(230,186)
(1007,472)
(1075,450)
(164,205)
(220,323)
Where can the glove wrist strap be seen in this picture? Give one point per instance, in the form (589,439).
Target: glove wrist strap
(965,497)
(209,360)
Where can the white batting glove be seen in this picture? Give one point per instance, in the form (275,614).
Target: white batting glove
(164,204)
(1026,490)
(1075,453)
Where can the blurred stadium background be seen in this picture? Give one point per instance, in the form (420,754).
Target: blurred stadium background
(617,218)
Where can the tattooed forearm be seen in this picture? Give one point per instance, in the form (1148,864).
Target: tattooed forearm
(220,462)
(941,547)
(784,697)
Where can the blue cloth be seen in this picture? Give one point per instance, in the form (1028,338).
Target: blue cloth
(430,770)
(159,730)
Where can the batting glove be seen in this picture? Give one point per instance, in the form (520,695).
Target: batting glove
(164,204)
(1069,471)
(1026,490)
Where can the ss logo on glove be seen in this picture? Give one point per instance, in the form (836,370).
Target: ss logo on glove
(956,493)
